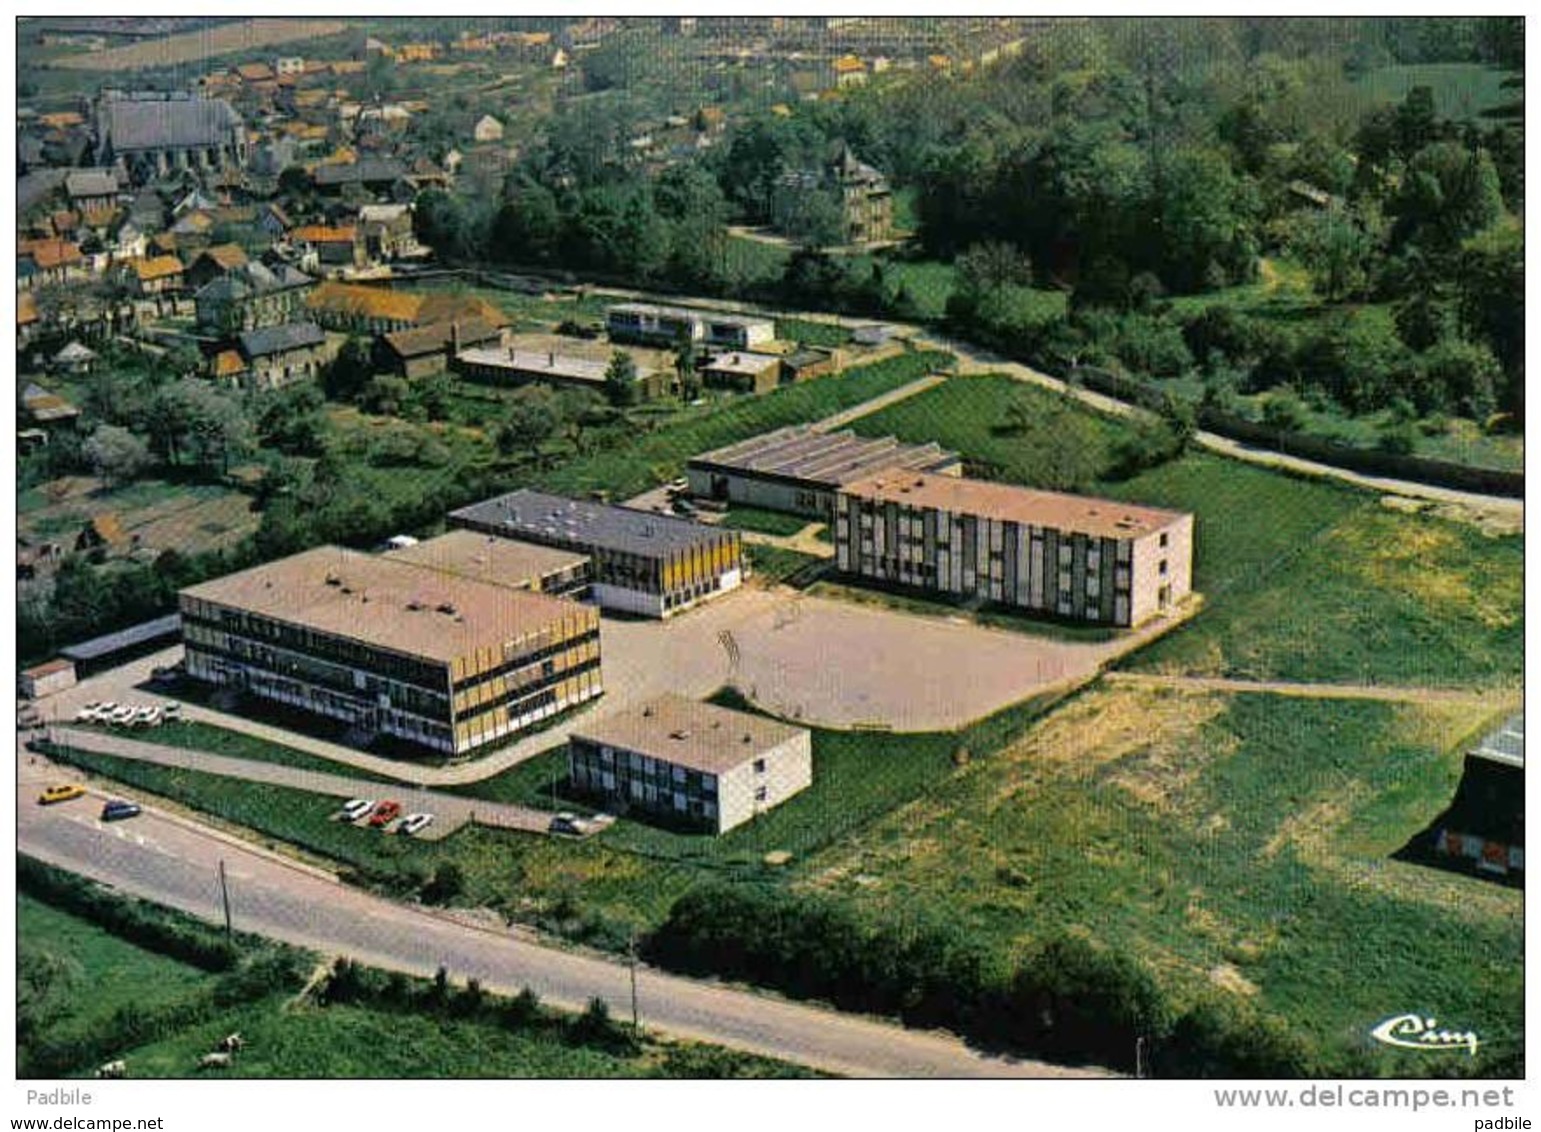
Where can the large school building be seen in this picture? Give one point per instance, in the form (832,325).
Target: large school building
(393,648)
(654,565)
(1069,556)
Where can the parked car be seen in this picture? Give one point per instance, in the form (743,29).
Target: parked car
(86,714)
(147,716)
(62,792)
(678,487)
(357,808)
(171,711)
(385,813)
(567,823)
(414,823)
(117,809)
(123,715)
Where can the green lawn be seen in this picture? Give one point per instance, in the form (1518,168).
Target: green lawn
(1461,90)
(774,564)
(812,333)
(753,261)
(764,522)
(210,739)
(102,974)
(1236,845)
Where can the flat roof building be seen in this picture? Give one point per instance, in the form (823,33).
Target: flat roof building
(393,648)
(743,371)
(798,470)
(655,325)
(509,365)
(690,764)
(1069,556)
(502,561)
(644,563)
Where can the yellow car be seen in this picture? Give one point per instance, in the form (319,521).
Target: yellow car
(60,794)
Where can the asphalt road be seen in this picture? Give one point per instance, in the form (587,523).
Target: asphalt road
(175,862)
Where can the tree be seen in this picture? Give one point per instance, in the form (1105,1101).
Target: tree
(292,420)
(1207,223)
(621,380)
(45,982)
(814,217)
(528,226)
(1337,247)
(1283,411)
(192,418)
(115,454)
(531,419)
(991,265)
(1448,193)
(344,379)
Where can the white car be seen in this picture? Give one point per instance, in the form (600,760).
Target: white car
(171,711)
(147,717)
(122,715)
(415,822)
(86,714)
(357,808)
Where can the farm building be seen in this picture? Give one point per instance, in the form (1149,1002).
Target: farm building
(502,561)
(651,325)
(1485,825)
(1095,560)
(655,565)
(690,764)
(427,350)
(798,470)
(393,648)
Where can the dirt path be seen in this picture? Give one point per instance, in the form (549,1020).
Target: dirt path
(1495,697)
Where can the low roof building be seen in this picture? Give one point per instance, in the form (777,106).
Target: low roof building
(690,734)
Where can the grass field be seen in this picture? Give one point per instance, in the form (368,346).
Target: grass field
(196,46)
(1461,90)
(105,975)
(102,973)
(1304,579)
(775,564)
(764,522)
(811,333)
(1239,844)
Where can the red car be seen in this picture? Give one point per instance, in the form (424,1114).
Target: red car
(385,813)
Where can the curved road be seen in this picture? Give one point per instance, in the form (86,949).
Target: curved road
(174,861)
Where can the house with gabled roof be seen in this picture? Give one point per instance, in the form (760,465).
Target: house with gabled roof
(277,356)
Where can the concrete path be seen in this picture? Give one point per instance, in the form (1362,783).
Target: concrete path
(1494,697)
(450,810)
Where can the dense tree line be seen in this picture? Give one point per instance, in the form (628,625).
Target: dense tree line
(1067,997)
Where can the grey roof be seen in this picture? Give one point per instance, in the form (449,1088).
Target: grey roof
(1507,744)
(75,352)
(555,520)
(688,733)
(797,454)
(367,170)
(174,123)
(255,278)
(91,183)
(277,339)
(141,634)
(35,186)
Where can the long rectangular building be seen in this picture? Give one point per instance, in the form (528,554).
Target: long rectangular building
(690,764)
(655,565)
(1069,556)
(393,648)
(503,562)
(652,325)
(798,470)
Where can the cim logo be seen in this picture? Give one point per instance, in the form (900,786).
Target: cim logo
(1414,1031)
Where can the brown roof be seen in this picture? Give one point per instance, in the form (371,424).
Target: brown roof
(420,308)
(49,667)
(434,338)
(407,609)
(26,308)
(160,267)
(228,363)
(49,253)
(1100,518)
(320,234)
(254,72)
(849,63)
(61,120)
(227,257)
(488,558)
(688,733)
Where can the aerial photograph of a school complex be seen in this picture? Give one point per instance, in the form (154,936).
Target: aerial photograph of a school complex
(753,546)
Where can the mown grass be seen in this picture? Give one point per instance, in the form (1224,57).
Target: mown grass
(764,522)
(102,974)
(776,564)
(208,738)
(1233,843)
(811,333)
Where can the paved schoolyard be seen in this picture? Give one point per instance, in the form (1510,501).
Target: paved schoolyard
(831,662)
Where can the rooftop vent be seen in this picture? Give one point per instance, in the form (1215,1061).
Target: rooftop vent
(682,733)
(647,713)
(446,607)
(333,580)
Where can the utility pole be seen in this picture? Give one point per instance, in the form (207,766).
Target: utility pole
(631,954)
(224,893)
